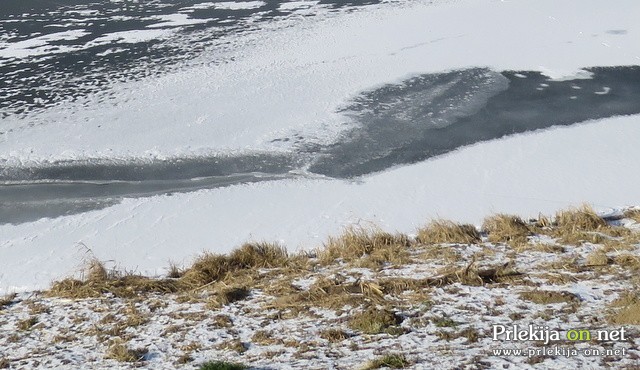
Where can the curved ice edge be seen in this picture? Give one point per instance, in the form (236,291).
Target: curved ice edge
(419,118)
(258,175)
(113,170)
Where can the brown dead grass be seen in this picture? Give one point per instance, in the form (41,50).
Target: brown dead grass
(27,324)
(617,246)
(582,224)
(7,300)
(334,335)
(625,310)
(446,254)
(567,263)
(503,228)
(127,286)
(398,285)
(549,297)
(597,258)
(356,243)
(116,324)
(558,278)
(211,268)
(582,218)
(366,247)
(476,276)
(206,270)
(374,320)
(443,231)
(389,361)
(335,293)
(633,214)
(330,292)
(270,269)
(264,338)
(174,272)
(96,271)
(224,295)
(120,352)
(235,345)
(471,334)
(628,260)
(541,247)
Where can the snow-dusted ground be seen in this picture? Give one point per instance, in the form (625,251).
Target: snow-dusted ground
(292,81)
(443,327)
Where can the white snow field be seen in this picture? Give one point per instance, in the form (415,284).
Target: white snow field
(293,80)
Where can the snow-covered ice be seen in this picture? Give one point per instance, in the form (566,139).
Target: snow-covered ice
(293,81)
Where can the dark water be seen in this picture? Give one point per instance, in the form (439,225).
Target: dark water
(397,124)
(531,102)
(45,78)
(423,117)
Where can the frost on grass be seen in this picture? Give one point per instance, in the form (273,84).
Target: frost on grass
(368,298)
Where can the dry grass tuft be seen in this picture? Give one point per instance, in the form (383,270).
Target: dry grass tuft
(334,335)
(134,317)
(184,359)
(234,345)
(358,243)
(584,218)
(391,361)
(502,228)
(558,278)
(446,254)
(228,294)
(264,338)
(471,334)
(223,321)
(628,260)
(221,365)
(7,300)
(626,310)
(374,320)
(633,214)
(126,286)
(542,222)
(617,246)
(597,258)
(259,255)
(541,247)
(549,297)
(443,231)
(120,352)
(99,281)
(576,225)
(96,272)
(27,324)
(174,272)
(472,275)
(396,285)
(208,269)
(332,293)
(211,268)
(393,254)
(444,322)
